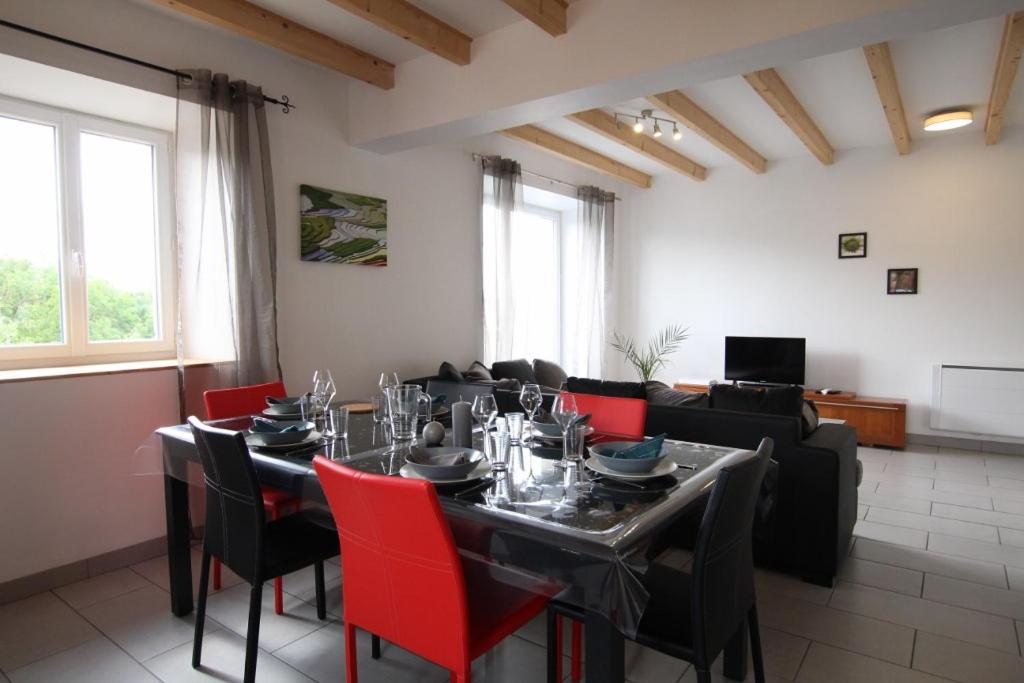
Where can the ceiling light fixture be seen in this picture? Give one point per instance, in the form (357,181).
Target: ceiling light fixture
(648,115)
(948,120)
(676,135)
(657,130)
(638,127)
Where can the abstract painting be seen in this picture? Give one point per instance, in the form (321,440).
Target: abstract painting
(341,227)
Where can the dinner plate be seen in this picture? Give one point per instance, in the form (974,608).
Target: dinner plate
(277,414)
(539,436)
(666,467)
(253,441)
(482,470)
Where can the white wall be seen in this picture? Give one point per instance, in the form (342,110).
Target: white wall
(743,254)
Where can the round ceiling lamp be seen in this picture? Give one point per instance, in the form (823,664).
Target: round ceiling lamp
(948,120)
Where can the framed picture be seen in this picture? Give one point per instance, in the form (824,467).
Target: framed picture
(902,281)
(853,245)
(341,227)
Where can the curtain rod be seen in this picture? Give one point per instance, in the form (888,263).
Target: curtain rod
(285,105)
(477,157)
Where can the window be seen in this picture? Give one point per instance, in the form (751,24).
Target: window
(85,239)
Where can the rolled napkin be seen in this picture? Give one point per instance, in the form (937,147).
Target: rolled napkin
(286,401)
(581,420)
(264,426)
(446,460)
(651,448)
(438,400)
(462,424)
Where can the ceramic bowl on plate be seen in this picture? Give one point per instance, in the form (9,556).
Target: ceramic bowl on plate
(284,438)
(283,410)
(604,454)
(548,428)
(443,463)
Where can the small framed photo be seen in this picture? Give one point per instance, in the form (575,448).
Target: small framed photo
(902,281)
(853,245)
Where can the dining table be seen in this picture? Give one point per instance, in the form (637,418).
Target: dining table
(594,536)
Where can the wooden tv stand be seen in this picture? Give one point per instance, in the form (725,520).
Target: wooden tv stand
(878,421)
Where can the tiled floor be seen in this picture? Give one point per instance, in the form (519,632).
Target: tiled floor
(933,590)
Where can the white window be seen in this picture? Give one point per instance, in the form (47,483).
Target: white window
(86,258)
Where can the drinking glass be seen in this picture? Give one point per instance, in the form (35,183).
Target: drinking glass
(380,408)
(565,412)
(337,422)
(425,407)
(403,401)
(499,450)
(387,379)
(324,387)
(515,427)
(574,442)
(501,424)
(485,409)
(309,409)
(530,399)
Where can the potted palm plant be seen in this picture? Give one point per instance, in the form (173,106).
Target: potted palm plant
(647,360)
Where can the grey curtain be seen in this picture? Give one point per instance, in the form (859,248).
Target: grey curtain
(226,229)
(584,351)
(502,194)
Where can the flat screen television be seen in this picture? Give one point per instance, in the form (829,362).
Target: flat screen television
(772,360)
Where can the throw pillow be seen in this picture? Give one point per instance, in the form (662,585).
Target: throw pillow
(583,385)
(809,417)
(770,400)
(449,373)
(508,384)
(549,374)
(519,369)
(660,394)
(477,372)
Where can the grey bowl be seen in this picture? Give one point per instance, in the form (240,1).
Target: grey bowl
(548,428)
(420,460)
(603,451)
(284,410)
(285,438)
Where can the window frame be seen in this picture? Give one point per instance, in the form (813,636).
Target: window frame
(76,348)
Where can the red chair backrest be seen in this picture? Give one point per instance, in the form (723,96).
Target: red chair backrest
(250,400)
(403,577)
(614,417)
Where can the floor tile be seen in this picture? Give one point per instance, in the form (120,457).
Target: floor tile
(914,538)
(1006,483)
(302,584)
(1020,634)
(918,505)
(967,476)
(825,664)
(867,486)
(223,660)
(955,622)
(1004,519)
(1014,537)
(156,571)
(321,656)
(100,588)
(644,665)
(96,661)
(1012,506)
(878,575)
(936,495)
(231,608)
(37,627)
(974,596)
(965,662)
(868,454)
(1016,578)
(790,586)
(141,622)
(988,573)
(783,652)
(904,480)
(975,490)
(849,631)
(951,527)
(965,547)
(862,511)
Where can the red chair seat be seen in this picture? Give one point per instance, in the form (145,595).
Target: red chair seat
(273,498)
(497,609)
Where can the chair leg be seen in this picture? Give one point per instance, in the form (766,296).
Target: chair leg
(461,677)
(576,672)
(375,646)
(252,635)
(278,582)
(216,574)
(703,676)
(554,647)
(204,585)
(321,598)
(755,645)
(351,673)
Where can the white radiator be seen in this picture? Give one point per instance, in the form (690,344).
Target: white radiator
(979,399)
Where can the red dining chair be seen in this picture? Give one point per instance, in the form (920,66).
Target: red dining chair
(613,418)
(406,582)
(251,400)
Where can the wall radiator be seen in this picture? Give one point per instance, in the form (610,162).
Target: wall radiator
(978,399)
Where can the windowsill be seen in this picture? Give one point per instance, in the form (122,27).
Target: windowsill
(65,371)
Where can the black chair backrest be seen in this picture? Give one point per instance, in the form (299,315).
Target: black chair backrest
(723,564)
(234,502)
(458,391)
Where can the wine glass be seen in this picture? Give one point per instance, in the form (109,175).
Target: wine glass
(530,399)
(484,410)
(387,379)
(565,412)
(324,387)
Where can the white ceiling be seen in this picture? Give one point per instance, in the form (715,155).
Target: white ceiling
(945,68)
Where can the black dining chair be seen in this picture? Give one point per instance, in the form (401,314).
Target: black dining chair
(693,615)
(238,534)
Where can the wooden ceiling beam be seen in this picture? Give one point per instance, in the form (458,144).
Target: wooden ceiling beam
(550,15)
(284,34)
(604,123)
(883,72)
(578,154)
(1006,70)
(413,24)
(769,85)
(691,115)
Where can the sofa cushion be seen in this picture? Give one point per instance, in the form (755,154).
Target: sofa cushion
(549,374)
(449,373)
(809,417)
(583,385)
(660,394)
(477,372)
(519,369)
(769,400)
